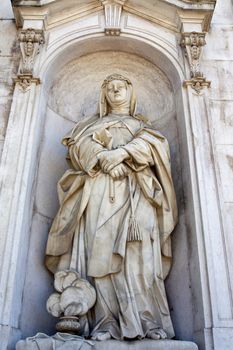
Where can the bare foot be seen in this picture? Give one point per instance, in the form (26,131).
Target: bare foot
(102,336)
(157,334)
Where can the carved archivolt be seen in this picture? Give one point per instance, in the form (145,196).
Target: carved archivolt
(193,43)
(30,41)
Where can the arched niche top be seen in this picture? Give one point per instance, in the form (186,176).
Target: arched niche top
(158,55)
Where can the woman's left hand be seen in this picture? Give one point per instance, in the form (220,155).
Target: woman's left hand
(119,172)
(110,159)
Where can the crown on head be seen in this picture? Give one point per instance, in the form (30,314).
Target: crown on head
(115,77)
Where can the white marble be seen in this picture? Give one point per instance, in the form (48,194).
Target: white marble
(72,344)
(6,10)
(51,168)
(218,64)
(16,203)
(159,105)
(75,91)
(38,281)
(207,254)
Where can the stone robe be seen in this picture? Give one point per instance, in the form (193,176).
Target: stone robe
(90,232)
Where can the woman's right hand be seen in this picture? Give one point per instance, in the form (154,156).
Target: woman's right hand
(108,160)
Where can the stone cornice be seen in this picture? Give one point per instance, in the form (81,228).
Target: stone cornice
(178,3)
(54,14)
(171,13)
(193,3)
(166,13)
(32,2)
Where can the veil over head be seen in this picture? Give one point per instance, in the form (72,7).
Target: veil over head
(104,107)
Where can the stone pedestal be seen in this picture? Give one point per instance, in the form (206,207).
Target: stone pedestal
(71,342)
(145,345)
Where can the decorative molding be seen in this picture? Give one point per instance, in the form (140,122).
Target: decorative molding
(112,11)
(30,41)
(32,2)
(25,81)
(169,14)
(200,1)
(193,43)
(197,84)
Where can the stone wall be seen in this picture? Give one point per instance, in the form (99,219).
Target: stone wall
(217,64)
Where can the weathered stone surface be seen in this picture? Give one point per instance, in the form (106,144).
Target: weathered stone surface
(51,168)
(75,92)
(71,104)
(9,61)
(147,345)
(43,342)
(89,235)
(197,308)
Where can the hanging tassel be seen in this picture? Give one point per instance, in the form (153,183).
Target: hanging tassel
(134,233)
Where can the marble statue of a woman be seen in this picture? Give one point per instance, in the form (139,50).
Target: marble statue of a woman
(117,211)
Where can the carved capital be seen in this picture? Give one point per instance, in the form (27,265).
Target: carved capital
(30,41)
(197,84)
(193,39)
(25,81)
(112,11)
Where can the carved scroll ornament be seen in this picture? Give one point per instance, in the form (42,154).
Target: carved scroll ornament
(193,43)
(30,42)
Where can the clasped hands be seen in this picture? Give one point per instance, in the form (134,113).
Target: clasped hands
(111,162)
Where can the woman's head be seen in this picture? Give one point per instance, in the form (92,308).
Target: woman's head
(117,95)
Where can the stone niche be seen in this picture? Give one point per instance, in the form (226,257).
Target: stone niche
(74,93)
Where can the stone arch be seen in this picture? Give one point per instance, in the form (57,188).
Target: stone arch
(64,50)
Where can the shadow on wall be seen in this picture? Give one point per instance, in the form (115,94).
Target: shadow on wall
(73,95)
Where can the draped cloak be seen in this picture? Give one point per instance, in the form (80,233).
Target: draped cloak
(89,232)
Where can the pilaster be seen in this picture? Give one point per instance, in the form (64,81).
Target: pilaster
(17,171)
(216,280)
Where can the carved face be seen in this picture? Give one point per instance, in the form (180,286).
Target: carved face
(117,92)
